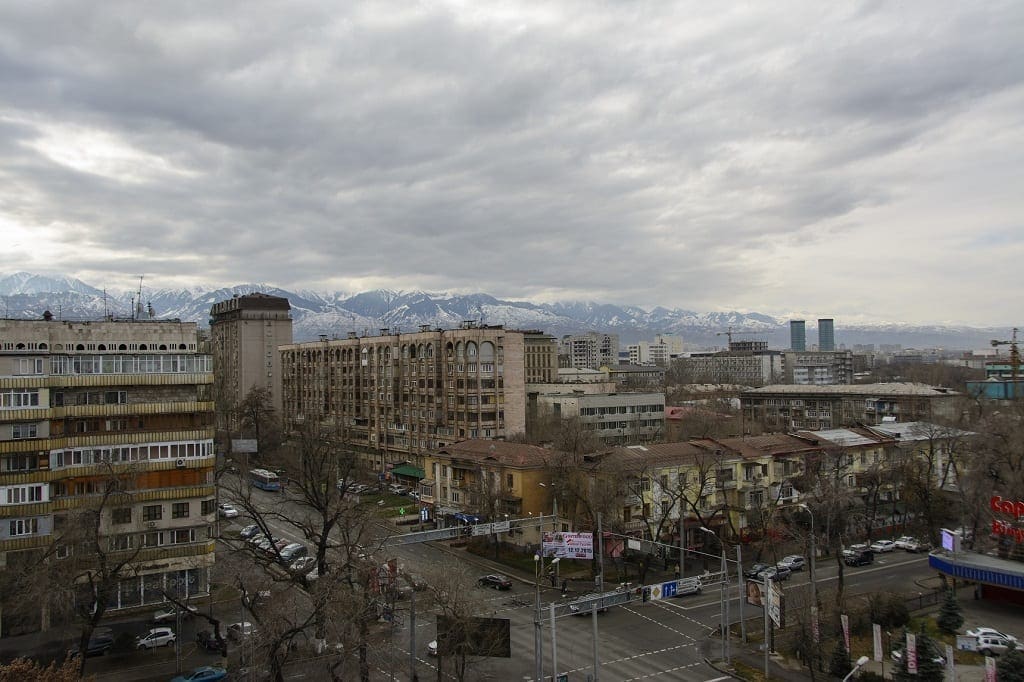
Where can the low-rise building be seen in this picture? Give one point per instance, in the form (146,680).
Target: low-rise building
(613,418)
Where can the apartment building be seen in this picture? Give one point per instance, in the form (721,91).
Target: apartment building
(614,418)
(791,407)
(658,352)
(818,368)
(748,368)
(590,350)
(635,377)
(394,397)
(245,333)
(89,405)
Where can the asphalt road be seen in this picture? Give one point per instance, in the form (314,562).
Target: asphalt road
(658,639)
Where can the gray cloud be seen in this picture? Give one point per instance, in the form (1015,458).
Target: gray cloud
(655,154)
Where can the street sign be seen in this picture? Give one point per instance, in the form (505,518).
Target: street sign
(482,529)
(501,526)
(668,589)
(562,677)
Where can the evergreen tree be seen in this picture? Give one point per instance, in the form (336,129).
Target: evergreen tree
(1010,666)
(950,617)
(839,664)
(929,669)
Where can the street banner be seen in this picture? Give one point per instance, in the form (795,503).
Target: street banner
(815,626)
(776,605)
(568,545)
(990,669)
(482,529)
(950,664)
(501,526)
(755,593)
(911,652)
(877,631)
(845,620)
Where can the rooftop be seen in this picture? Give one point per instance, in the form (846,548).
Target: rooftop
(888,389)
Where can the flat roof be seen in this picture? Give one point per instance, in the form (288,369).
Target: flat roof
(887,389)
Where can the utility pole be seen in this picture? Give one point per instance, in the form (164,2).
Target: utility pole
(412,633)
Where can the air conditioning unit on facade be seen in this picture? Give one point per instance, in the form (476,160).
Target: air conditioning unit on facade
(180,463)
(150,524)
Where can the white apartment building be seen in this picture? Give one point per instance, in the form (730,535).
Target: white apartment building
(615,418)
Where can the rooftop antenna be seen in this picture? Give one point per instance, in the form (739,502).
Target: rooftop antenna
(138,301)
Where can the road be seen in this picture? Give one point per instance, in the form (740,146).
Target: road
(658,639)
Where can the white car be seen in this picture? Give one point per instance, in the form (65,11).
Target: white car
(883,546)
(238,631)
(989,632)
(154,638)
(228,511)
(902,541)
(992,645)
(432,648)
(794,562)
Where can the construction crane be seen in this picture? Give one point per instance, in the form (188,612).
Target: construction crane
(730,333)
(1014,358)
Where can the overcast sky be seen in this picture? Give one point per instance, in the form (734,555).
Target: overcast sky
(860,160)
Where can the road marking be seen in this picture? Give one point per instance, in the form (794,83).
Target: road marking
(670,670)
(719,679)
(670,629)
(636,656)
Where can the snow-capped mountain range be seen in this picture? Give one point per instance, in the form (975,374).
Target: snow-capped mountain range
(27,296)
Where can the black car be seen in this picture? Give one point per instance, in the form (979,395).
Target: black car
(208,641)
(861,558)
(754,571)
(98,645)
(497,581)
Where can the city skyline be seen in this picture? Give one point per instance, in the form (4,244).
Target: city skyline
(858,162)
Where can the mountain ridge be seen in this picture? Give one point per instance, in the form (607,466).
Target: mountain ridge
(28,295)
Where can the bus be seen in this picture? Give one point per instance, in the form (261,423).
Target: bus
(267,480)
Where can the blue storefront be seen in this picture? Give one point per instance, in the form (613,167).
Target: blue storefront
(999,579)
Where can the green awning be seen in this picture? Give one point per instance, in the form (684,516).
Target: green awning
(407,470)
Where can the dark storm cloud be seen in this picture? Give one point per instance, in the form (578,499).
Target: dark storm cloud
(650,153)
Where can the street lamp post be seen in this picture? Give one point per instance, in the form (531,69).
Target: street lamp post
(861,662)
(814,585)
(538,644)
(721,596)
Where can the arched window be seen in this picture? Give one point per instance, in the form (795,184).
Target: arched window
(163,346)
(460,351)
(20,346)
(101,347)
(42,346)
(470,349)
(122,347)
(449,349)
(486,352)
(430,350)
(80,347)
(181,346)
(143,346)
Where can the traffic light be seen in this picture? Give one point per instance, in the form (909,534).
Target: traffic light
(647,594)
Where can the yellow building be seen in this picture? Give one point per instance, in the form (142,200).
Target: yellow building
(89,405)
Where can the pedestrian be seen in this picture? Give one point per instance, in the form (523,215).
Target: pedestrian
(552,577)
(677,572)
(565,586)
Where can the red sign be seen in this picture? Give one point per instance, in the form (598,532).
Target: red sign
(1014,509)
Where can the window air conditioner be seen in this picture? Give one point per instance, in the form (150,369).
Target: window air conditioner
(180,463)
(150,524)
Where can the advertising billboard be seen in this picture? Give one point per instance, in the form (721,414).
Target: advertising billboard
(568,545)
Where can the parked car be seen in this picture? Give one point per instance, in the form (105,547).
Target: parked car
(495,580)
(396,489)
(277,546)
(861,558)
(170,614)
(883,546)
(754,570)
(917,546)
(262,543)
(239,631)
(989,632)
(206,673)
(794,562)
(582,606)
(249,531)
(303,564)
(432,648)
(98,645)
(228,511)
(991,645)
(291,552)
(207,640)
(860,547)
(775,574)
(902,541)
(417,582)
(155,637)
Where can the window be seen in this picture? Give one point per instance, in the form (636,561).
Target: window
(23,431)
(183,536)
(63,551)
(179,510)
(21,462)
(24,494)
(24,527)
(509,481)
(29,366)
(119,543)
(152,539)
(121,515)
(13,398)
(152,513)
(209,506)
